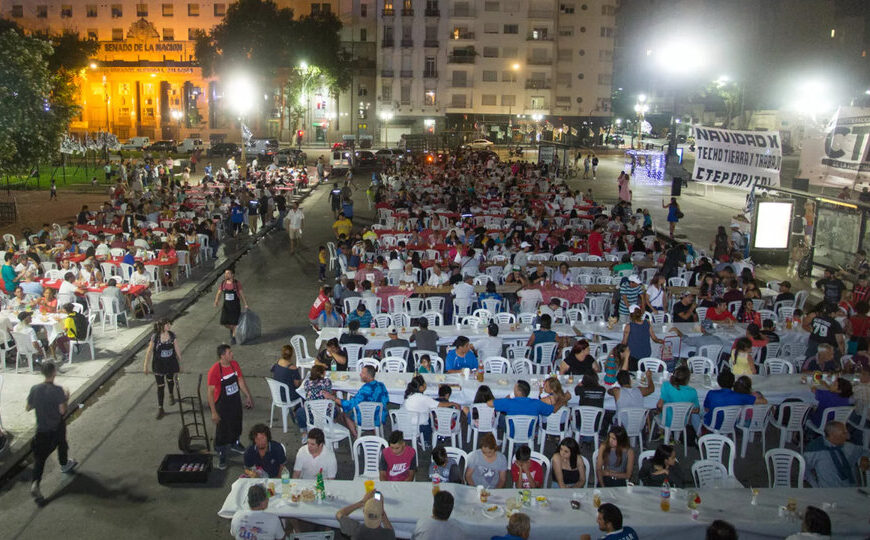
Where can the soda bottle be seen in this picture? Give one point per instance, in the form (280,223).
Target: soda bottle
(319,488)
(479,370)
(436,487)
(666,497)
(285,483)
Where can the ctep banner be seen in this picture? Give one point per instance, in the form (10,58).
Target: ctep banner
(838,155)
(738,159)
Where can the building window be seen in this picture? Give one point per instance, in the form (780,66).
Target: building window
(509,52)
(508,76)
(405,98)
(429,98)
(220,10)
(117,11)
(508,100)
(488,100)
(141,10)
(363,34)
(566,31)
(363,10)
(567,9)
(537,102)
(117,34)
(42,11)
(606,31)
(511,29)
(315,9)
(458,101)
(93,34)
(193,10)
(65,12)
(490,52)
(18,11)
(168,34)
(168,10)
(490,6)
(387,91)
(490,76)
(608,10)
(430,68)
(490,28)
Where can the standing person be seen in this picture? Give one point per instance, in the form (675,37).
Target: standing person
(587,162)
(164,358)
(49,401)
(225,380)
(294,221)
(234,300)
(674,215)
(623,183)
(52,192)
(594,167)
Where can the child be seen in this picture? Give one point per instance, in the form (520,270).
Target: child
(442,467)
(321,260)
(425,365)
(526,474)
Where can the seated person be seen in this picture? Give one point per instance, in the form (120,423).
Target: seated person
(398,461)
(823,360)
(313,456)
(720,313)
(725,396)
(265,458)
(662,467)
(526,474)
(831,460)
(442,467)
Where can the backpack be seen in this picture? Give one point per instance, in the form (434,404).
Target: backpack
(81,326)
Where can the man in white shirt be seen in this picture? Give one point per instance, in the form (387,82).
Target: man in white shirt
(521,259)
(437,278)
(491,345)
(395,262)
(530,298)
(23,327)
(463,290)
(294,221)
(256,523)
(141,277)
(315,456)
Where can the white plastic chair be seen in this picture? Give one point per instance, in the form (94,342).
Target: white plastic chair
(434,318)
(543,356)
(633,420)
(497,364)
(111,311)
(367,415)
(398,352)
(435,303)
(373,304)
(484,315)
(728,416)
(713,447)
(651,364)
(797,414)
(300,347)
(382,320)
(780,462)
(523,428)
(368,361)
(522,366)
(778,366)
(23,347)
(554,425)
(285,405)
(350,304)
(831,414)
(319,414)
(87,340)
(354,352)
(713,352)
(492,305)
(708,473)
(759,423)
(460,457)
(702,364)
(406,422)
(641,459)
(679,413)
(442,420)
(393,364)
(586,422)
(505,318)
(371,447)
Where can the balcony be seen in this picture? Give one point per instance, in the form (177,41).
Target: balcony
(386,43)
(538,37)
(461,35)
(407,43)
(540,14)
(388,12)
(406,74)
(407,12)
(463,14)
(460,84)
(539,61)
(432,43)
(386,73)
(539,84)
(432,13)
(430,74)
(461,59)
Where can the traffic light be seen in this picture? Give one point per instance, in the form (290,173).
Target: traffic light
(299,133)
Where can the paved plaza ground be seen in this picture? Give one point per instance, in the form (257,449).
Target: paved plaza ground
(119,444)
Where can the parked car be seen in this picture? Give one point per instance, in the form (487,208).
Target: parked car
(189,146)
(225,149)
(136,143)
(390,154)
(288,156)
(262,148)
(480,144)
(162,146)
(364,159)
(342,160)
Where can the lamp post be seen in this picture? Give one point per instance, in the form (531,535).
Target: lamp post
(240,93)
(386,116)
(177,115)
(515,67)
(640,108)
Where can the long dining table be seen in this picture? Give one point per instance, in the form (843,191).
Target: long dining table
(447,334)
(553,516)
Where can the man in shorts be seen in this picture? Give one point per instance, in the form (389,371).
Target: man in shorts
(294,220)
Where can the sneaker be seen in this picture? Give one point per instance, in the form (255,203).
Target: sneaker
(237,448)
(233,340)
(304,438)
(160,413)
(35,492)
(222,463)
(71,464)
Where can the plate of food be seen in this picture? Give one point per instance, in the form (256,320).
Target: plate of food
(440,378)
(343,377)
(493,511)
(307,495)
(503,382)
(542,501)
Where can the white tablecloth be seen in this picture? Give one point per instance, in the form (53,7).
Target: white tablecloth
(405,503)
(446,334)
(775,388)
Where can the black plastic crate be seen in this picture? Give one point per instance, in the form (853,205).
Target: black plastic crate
(170,471)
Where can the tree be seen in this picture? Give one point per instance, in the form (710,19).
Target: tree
(36,104)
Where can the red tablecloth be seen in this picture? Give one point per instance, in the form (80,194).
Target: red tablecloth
(574,295)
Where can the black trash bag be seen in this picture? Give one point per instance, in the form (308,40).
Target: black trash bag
(249,327)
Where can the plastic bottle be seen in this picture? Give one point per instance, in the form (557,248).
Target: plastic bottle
(319,488)
(666,497)
(285,483)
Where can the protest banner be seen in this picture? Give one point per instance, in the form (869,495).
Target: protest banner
(738,159)
(837,156)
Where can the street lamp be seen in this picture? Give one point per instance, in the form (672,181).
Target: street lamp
(640,108)
(240,93)
(515,67)
(177,115)
(386,116)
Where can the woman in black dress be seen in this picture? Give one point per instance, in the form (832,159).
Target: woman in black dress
(234,302)
(163,357)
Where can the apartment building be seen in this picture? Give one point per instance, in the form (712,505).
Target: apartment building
(493,66)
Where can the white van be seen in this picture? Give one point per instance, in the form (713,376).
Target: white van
(342,160)
(136,143)
(188,146)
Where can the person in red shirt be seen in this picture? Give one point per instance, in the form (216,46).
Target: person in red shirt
(318,306)
(225,381)
(858,325)
(747,313)
(720,313)
(596,242)
(861,292)
(526,474)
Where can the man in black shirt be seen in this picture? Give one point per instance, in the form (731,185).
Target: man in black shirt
(684,310)
(784,292)
(769,331)
(823,328)
(832,287)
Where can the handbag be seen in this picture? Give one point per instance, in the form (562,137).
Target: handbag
(680,214)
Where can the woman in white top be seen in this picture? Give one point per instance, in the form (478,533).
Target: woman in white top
(657,293)
(416,401)
(408,278)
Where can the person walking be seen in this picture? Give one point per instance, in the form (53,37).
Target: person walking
(586,164)
(225,381)
(163,358)
(594,167)
(674,214)
(294,221)
(49,401)
(52,192)
(234,300)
